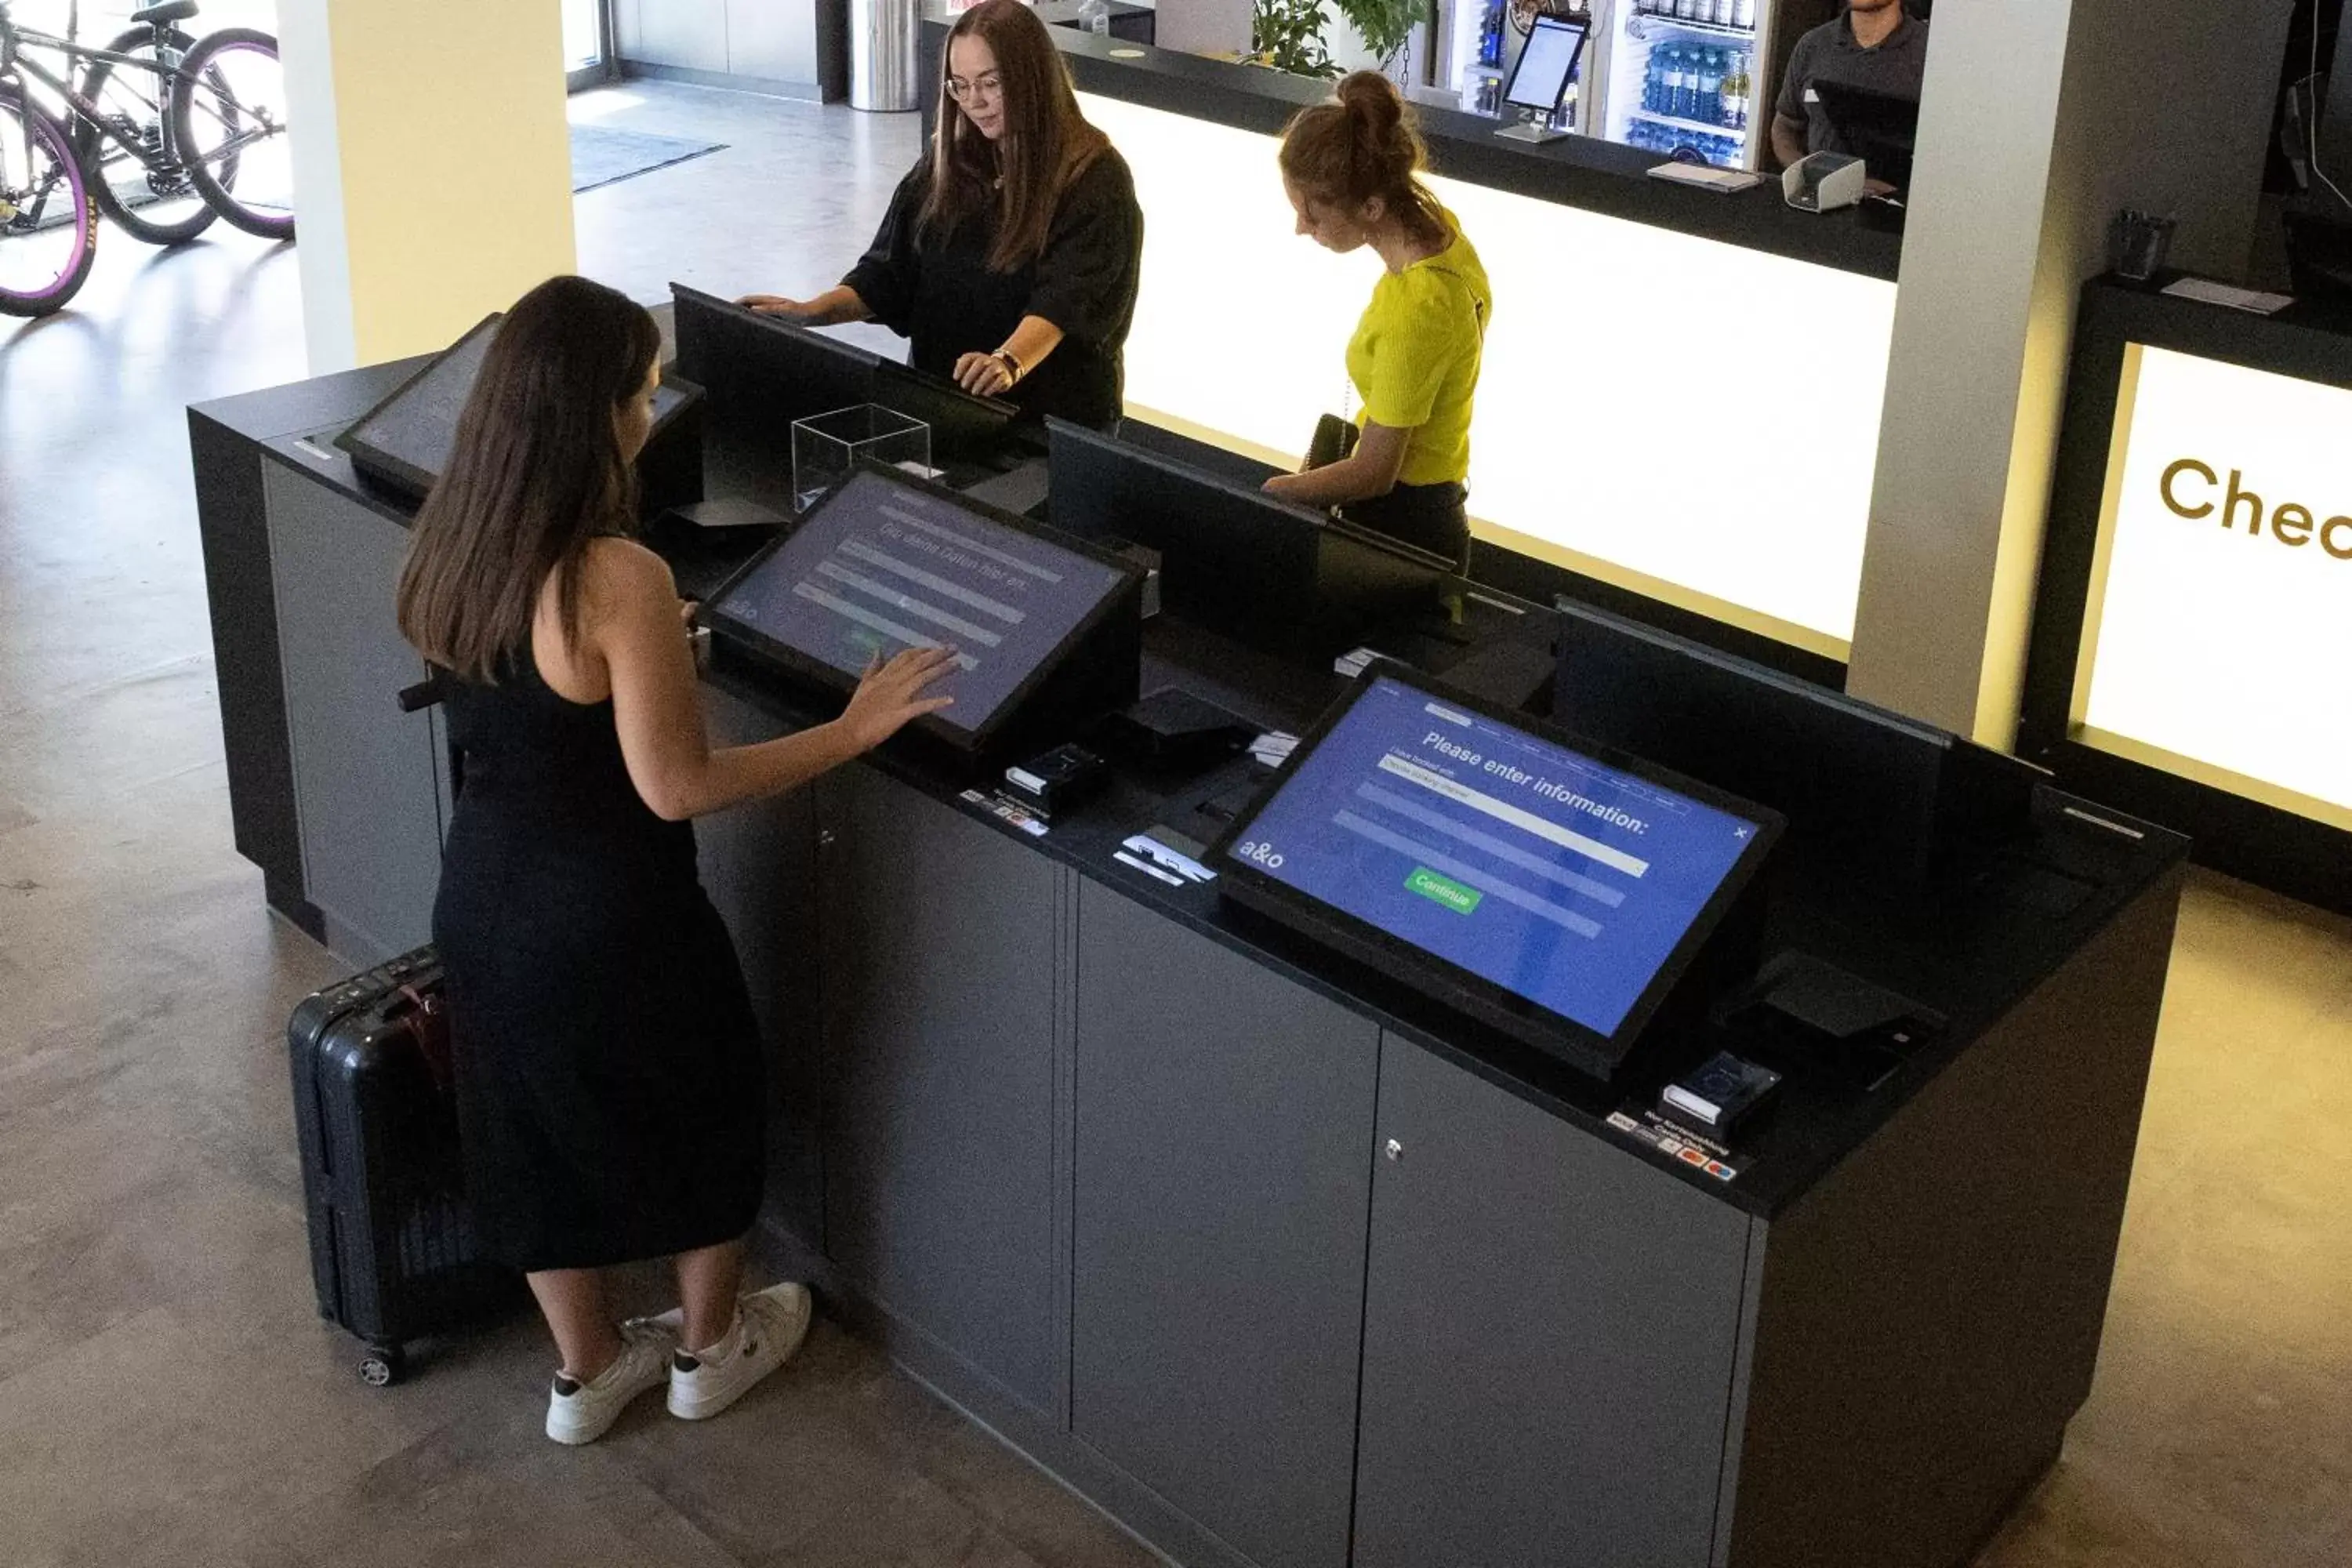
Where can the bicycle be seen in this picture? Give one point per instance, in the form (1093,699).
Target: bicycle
(164,134)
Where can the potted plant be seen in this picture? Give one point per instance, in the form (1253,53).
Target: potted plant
(1385,25)
(1287,35)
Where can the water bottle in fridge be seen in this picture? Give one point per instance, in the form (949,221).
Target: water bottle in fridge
(1744,13)
(1710,86)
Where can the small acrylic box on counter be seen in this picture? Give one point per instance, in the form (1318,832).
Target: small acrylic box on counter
(827,447)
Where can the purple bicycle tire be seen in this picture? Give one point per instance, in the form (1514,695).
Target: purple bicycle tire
(45,301)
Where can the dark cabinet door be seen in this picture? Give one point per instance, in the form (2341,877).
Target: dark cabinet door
(759,865)
(1224,1117)
(940,982)
(368,779)
(1550,1330)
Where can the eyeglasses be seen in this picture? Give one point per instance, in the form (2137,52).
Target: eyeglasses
(988,85)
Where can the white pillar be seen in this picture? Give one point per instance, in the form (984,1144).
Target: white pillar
(2041,118)
(432,166)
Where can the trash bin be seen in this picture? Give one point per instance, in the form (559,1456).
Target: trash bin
(882,56)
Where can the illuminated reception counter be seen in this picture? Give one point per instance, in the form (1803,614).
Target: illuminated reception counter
(2192,652)
(1681,390)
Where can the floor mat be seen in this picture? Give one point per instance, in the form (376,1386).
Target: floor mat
(603,156)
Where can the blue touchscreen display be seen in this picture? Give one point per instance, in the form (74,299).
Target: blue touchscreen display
(1563,881)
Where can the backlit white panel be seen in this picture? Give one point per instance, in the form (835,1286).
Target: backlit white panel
(1686,417)
(2223,635)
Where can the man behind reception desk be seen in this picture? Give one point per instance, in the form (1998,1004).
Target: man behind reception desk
(1352,171)
(1879,46)
(1011,252)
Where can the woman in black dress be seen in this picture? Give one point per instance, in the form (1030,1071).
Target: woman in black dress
(608,1066)
(1011,252)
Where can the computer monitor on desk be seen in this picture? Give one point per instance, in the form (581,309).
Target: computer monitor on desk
(1233,558)
(966,431)
(1879,128)
(763,373)
(1863,787)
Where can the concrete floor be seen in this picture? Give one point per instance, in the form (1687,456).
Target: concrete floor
(167,1396)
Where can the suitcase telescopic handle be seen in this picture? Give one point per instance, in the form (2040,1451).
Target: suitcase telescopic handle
(425,693)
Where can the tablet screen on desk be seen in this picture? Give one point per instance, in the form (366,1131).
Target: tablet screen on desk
(407,439)
(1558,885)
(886,562)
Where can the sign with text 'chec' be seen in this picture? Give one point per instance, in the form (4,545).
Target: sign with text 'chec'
(2218,644)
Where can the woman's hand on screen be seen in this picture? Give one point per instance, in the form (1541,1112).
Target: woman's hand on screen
(891,694)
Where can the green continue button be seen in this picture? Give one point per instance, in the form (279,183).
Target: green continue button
(1444,891)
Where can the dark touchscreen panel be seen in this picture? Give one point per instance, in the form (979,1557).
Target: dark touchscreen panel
(882,566)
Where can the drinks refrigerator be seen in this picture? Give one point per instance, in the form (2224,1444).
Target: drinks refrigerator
(1663,75)
(1689,74)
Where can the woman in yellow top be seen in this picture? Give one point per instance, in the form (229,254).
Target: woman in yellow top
(1352,171)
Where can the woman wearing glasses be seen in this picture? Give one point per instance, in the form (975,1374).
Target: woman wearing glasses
(1011,252)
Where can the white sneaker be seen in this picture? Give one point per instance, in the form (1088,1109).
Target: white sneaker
(582,1412)
(769,1325)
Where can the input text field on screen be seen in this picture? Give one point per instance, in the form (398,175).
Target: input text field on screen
(932,580)
(883,623)
(1496,887)
(908,603)
(1002,559)
(1388,800)
(1525,821)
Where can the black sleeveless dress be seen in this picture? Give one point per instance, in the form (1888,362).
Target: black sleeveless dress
(608,1066)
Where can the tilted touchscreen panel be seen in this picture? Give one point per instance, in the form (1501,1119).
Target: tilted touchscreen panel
(882,565)
(1565,882)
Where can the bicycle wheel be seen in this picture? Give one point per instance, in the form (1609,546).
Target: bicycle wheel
(150,199)
(229,120)
(48,225)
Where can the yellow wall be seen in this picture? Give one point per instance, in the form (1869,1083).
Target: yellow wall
(453,160)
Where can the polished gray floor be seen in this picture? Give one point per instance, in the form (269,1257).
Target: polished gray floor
(166,1394)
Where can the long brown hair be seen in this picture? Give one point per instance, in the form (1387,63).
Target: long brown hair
(536,472)
(1046,142)
(1364,145)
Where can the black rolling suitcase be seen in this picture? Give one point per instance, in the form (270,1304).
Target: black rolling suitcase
(391,1245)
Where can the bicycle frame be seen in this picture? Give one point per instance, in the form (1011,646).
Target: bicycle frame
(83,109)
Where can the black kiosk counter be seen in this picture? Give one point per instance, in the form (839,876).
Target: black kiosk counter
(1714,364)
(1264,1243)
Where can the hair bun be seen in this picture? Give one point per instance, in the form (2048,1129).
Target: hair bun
(1372,100)
(1360,145)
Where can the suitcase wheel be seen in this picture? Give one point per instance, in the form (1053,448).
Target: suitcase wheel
(383,1366)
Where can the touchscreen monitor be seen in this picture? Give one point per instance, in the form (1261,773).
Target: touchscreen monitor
(886,562)
(1545,65)
(406,439)
(1552,888)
